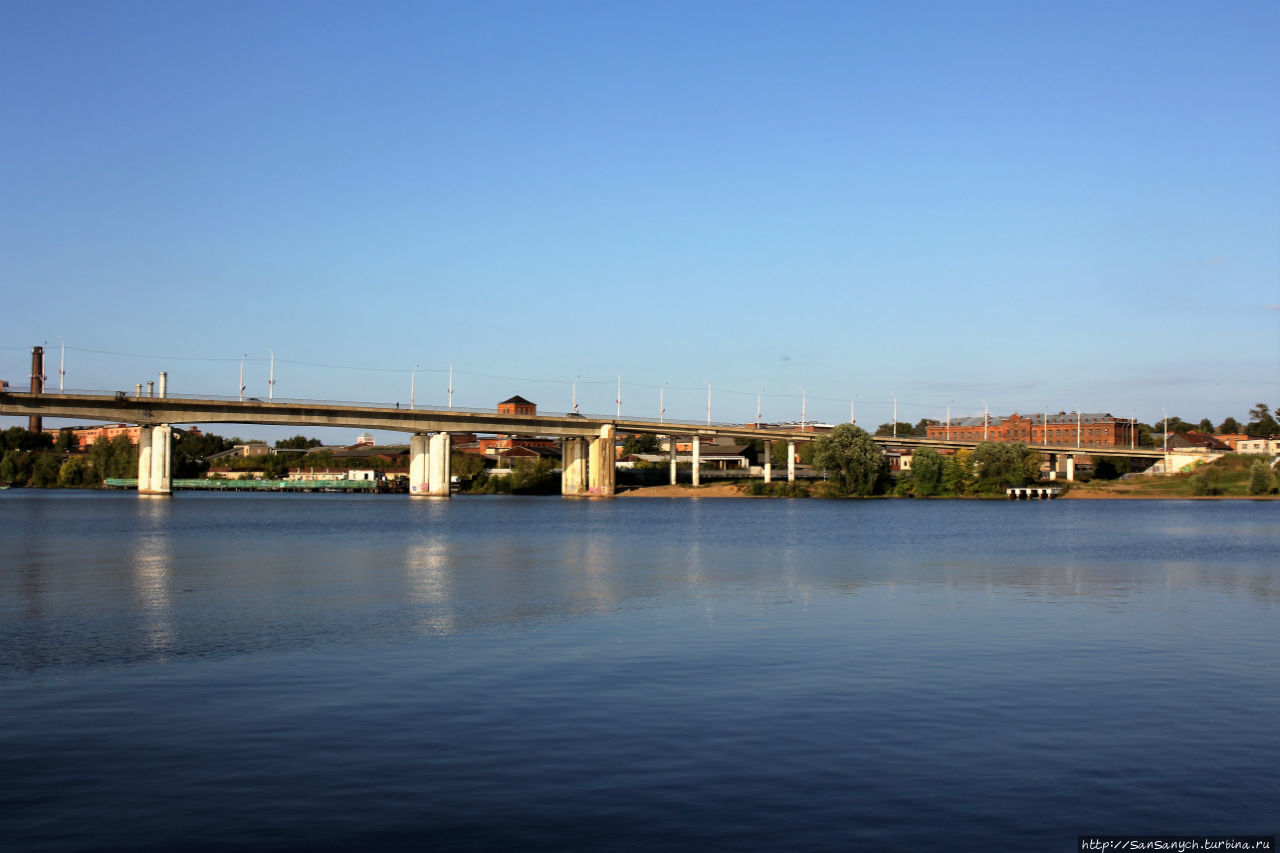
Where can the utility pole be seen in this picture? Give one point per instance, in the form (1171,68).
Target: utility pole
(413,376)
(708,404)
(62,362)
(618,400)
(895,417)
(575,393)
(662,405)
(803,419)
(986,419)
(271,377)
(242,358)
(450,383)
(759,397)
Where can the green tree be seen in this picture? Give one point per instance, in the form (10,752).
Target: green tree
(123,459)
(66,441)
(1262,424)
(1262,480)
(1229,426)
(640,443)
(465,465)
(855,463)
(999,465)
(76,473)
(926,471)
(1205,426)
(44,470)
(297,442)
(17,438)
(904,429)
(957,473)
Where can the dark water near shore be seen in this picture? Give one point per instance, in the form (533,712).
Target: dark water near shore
(314,672)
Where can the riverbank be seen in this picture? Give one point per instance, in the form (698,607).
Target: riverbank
(1077,491)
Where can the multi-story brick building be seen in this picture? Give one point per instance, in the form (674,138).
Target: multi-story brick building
(1072,429)
(84,437)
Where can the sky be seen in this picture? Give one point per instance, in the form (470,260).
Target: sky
(809,208)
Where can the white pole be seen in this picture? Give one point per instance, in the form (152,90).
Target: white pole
(986,419)
(852,419)
(413,376)
(450,383)
(1044,427)
(271,377)
(619,399)
(895,417)
(62,363)
(758,398)
(575,393)
(242,358)
(662,406)
(948,421)
(708,404)
(1077,426)
(802,409)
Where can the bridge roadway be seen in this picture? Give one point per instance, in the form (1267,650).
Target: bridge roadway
(429,459)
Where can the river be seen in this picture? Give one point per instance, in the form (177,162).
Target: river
(316,672)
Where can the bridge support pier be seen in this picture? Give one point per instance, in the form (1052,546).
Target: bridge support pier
(671,452)
(768,461)
(154,477)
(791,461)
(430,467)
(697,461)
(573,466)
(601,468)
(1071,466)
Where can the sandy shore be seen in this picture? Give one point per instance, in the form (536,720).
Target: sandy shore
(712,490)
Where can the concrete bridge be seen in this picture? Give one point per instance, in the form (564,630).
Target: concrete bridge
(588,441)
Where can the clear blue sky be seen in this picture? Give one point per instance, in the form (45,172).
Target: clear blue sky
(1068,204)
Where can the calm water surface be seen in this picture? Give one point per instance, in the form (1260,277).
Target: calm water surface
(310,672)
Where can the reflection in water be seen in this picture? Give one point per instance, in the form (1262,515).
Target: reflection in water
(151,566)
(426,564)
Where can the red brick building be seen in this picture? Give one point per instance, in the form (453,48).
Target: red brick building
(1065,429)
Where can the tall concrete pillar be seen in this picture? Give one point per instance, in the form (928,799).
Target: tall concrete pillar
(1071,466)
(601,470)
(573,465)
(144,460)
(418,464)
(697,459)
(440,465)
(671,450)
(768,461)
(1053,466)
(160,481)
(791,461)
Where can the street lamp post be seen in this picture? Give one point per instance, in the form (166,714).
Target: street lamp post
(662,406)
(271,377)
(708,404)
(618,399)
(450,383)
(242,358)
(575,393)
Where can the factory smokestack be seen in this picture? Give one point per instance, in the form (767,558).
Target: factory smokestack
(35,423)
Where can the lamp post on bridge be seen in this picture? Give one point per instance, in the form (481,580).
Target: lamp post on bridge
(242,358)
(450,383)
(708,404)
(271,377)
(662,406)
